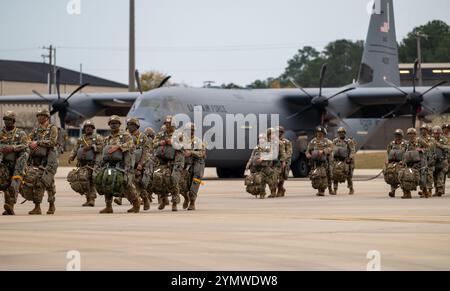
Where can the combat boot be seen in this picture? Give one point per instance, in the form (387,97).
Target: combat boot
(407,195)
(321,193)
(9,209)
(352,191)
(281,192)
(163,203)
(89,203)
(426,194)
(174,206)
(186,202)
(118,201)
(392,194)
(108,209)
(192,205)
(36,210)
(146,203)
(51,208)
(331,191)
(136,206)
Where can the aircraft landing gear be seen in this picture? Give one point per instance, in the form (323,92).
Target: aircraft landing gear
(300,167)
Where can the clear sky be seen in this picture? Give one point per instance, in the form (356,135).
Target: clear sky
(192,40)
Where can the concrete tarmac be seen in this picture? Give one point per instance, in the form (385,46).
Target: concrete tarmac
(231,230)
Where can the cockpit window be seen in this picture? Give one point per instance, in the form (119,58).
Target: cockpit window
(166,104)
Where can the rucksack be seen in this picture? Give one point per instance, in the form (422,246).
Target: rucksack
(110,181)
(390,173)
(340,171)
(409,179)
(32,185)
(318,178)
(79,179)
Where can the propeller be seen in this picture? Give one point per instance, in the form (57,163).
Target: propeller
(415,99)
(320,103)
(61,105)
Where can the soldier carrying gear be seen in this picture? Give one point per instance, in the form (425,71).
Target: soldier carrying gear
(170,155)
(88,152)
(143,149)
(195,155)
(441,161)
(395,151)
(43,163)
(319,153)
(150,167)
(414,161)
(344,150)
(115,178)
(285,157)
(426,136)
(261,169)
(14,153)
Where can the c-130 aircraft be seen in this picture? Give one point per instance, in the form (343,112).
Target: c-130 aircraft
(361,107)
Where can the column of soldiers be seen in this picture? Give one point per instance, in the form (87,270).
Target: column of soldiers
(269,164)
(418,162)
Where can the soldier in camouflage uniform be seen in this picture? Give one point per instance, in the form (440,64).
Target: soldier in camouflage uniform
(319,153)
(261,163)
(121,141)
(143,149)
(441,165)
(14,152)
(166,142)
(426,136)
(342,142)
(285,156)
(397,145)
(420,146)
(88,152)
(194,164)
(44,145)
(150,167)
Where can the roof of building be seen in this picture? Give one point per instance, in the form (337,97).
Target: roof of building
(34,72)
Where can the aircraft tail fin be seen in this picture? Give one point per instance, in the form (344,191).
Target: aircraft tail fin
(380,57)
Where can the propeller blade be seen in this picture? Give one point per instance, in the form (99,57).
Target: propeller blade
(416,65)
(336,116)
(323,70)
(138,80)
(341,92)
(429,109)
(394,111)
(299,87)
(39,94)
(323,115)
(307,108)
(119,101)
(164,81)
(58,82)
(71,110)
(62,118)
(76,91)
(434,87)
(394,86)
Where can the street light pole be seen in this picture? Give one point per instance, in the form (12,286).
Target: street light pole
(132,64)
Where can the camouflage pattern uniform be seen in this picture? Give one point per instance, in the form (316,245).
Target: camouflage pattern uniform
(164,142)
(425,134)
(46,137)
(143,149)
(261,164)
(194,164)
(441,166)
(325,147)
(399,144)
(88,152)
(350,146)
(124,142)
(285,156)
(14,155)
(414,144)
(151,164)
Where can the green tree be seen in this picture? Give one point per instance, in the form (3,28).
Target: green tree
(435,43)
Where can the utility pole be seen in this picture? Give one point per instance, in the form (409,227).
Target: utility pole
(51,63)
(419,57)
(132,48)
